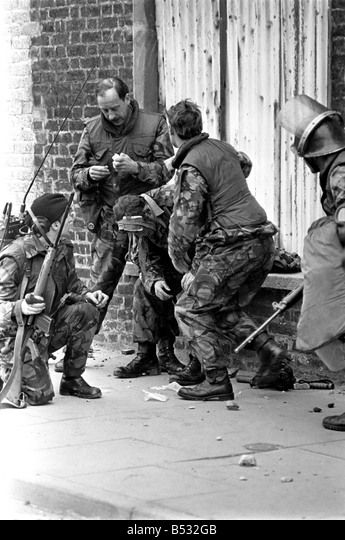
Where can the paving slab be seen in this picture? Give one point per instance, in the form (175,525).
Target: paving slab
(121,457)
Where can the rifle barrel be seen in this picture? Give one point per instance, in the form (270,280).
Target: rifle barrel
(280,307)
(257,331)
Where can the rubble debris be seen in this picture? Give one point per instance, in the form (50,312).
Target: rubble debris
(127,351)
(247,461)
(232,406)
(317,409)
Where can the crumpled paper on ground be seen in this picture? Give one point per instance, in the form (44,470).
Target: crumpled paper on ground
(150,396)
(175,386)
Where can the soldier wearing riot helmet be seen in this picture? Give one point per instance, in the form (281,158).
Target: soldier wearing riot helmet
(319,138)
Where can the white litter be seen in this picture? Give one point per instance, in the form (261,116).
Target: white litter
(149,396)
(175,386)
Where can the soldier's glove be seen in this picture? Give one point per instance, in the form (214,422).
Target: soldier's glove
(32,305)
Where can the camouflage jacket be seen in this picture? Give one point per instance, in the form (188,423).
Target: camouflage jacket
(27,252)
(144,137)
(188,218)
(152,256)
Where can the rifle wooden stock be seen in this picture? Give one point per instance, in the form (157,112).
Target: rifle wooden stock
(281,306)
(11,392)
(12,388)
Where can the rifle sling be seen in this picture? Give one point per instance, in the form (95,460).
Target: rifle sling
(17,307)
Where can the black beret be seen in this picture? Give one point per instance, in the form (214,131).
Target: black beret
(50,206)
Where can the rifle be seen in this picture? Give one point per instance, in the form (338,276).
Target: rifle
(279,307)
(31,327)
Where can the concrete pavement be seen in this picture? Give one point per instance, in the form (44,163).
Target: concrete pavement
(122,457)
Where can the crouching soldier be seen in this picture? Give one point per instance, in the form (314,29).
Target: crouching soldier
(220,239)
(72,308)
(146,217)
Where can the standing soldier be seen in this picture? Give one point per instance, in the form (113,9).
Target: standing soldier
(320,141)
(121,151)
(220,239)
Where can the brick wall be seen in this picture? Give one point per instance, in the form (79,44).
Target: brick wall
(78,40)
(59,42)
(16,103)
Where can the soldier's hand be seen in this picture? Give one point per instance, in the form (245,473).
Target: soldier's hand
(98,172)
(162,290)
(98,298)
(32,305)
(123,164)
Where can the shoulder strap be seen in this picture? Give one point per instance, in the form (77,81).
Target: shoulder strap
(26,277)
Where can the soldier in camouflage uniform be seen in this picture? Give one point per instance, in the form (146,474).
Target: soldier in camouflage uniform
(121,151)
(156,289)
(220,239)
(72,306)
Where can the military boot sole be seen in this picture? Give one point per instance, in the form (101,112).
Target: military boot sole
(72,393)
(126,375)
(186,382)
(219,397)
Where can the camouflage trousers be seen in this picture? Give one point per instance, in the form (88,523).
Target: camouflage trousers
(108,253)
(210,313)
(74,327)
(153,319)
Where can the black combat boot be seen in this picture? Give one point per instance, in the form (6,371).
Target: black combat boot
(167,359)
(191,374)
(144,363)
(275,371)
(77,387)
(216,387)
